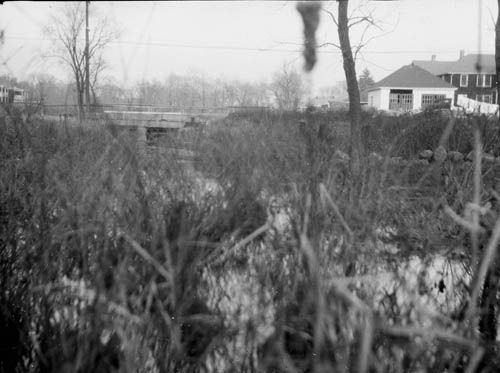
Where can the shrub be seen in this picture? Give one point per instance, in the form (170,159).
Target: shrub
(408,135)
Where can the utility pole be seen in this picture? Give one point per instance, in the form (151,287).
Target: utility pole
(87,71)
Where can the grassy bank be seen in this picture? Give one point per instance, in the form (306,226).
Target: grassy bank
(116,257)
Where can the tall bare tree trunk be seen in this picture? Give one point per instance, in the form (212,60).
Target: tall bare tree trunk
(497,44)
(356,146)
(79,97)
(87,60)
(497,52)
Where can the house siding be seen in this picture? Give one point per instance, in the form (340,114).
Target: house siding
(374,98)
(472,90)
(384,98)
(381,96)
(418,92)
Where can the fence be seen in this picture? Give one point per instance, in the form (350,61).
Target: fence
(72,109)
(149,112)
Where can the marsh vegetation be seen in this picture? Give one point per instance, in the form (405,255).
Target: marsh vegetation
(265,254)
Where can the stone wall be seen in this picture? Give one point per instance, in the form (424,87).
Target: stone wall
(439,155)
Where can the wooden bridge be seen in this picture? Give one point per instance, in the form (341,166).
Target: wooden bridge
(167,120)
(152,123)
(143,116)
(168,132)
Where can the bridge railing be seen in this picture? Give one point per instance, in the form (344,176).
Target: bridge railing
(159,108)
(72,110)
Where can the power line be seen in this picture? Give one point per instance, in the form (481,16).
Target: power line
(174,45)
(235,48)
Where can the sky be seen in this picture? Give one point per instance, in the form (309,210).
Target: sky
(250,40)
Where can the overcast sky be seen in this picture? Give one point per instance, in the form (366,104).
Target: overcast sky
(250,40)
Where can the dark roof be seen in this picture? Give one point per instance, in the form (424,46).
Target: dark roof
(435,67)
(466,64)
(412,76)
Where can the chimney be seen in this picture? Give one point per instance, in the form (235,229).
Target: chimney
(462,53)
(433,58)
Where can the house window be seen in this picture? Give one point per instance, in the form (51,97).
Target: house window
(401,99)
(483,80)
(371,100)
(464,80)
(484,98)
(429,100)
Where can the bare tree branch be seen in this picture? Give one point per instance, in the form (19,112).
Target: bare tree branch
(367,18)
(68,28)
(329,44)
(332,16)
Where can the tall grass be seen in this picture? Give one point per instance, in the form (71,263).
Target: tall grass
(115,256)
(410,134)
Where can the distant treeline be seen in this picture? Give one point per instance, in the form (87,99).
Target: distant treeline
(285,90)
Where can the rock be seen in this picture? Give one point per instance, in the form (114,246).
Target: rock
(440,154)
(419,162)
(426,154)
(342,156)
(455,156)
(487,157)
(375,158)
(397,161)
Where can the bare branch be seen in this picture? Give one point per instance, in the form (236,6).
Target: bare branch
(368,18)
(68,28)
(493,20)
(332,16)
(329,44)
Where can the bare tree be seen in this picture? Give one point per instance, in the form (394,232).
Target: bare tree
(68,29)
(362,18)
(344,22)
(110,92)
(150,93)
(356,145)
(96,68)
(288,88)
(198,90)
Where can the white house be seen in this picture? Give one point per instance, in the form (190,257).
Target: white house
(4,94)
(11,95)
(409,88)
